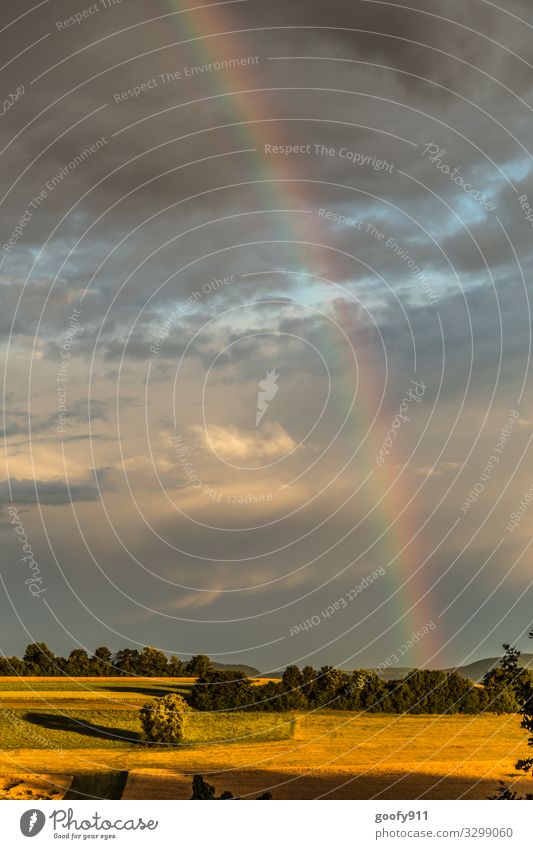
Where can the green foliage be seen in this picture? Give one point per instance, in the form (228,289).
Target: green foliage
(268,697)
(11,666)
(373,694)
(221,689)
(40,660)
(198,666)
(507,684)
(285,695)
(308,680)
(330,686)
(78,663)
(524,692)
(127,662)
(164,720)
(512,682)
(423,691)
(291,696)
(399,698)
(202,790)
(176,667)
(427,691)
(505,792)
(101,662)
(152,663)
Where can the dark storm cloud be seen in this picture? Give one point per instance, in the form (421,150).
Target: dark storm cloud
(111,220)
(46,492)
(377,18)
(399,23)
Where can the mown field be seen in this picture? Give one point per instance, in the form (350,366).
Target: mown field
(89,729)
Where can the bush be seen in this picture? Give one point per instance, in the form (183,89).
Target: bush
(202,790)
(164,720)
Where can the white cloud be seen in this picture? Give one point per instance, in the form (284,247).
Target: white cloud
(269,442)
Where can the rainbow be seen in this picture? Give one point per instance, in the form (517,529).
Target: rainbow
(400,547)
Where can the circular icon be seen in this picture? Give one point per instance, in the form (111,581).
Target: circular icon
(32,822)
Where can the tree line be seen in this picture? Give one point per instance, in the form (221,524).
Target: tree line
(422,691)
(150,662)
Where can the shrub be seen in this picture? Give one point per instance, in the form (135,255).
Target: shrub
(164,719)
(202,790)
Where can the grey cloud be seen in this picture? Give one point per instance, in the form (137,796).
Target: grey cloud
(48,492)
(324,101)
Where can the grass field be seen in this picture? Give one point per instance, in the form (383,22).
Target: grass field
(89,729)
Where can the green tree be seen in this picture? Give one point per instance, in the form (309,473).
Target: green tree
(523,691)
(222,689)
(373,694)
(164,720)
(198,666)
(428,691)
(463,695)
(101,662)
(78,663)
(349,691)
(330,685)
(40,660)
(507,683)
(268,697)
(11,666)
(176,667)
(399,698)
(152,663)
(127,661)
(292,697)
(308,681)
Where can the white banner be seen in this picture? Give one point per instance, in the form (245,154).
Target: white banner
(282,823)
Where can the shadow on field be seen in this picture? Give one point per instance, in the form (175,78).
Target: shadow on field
(285,785)
(144,691)
(107,785)
(59,722)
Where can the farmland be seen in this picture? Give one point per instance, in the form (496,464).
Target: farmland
(89,729)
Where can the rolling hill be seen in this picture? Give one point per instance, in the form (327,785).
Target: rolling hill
(475,671)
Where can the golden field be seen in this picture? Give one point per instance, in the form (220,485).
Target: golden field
(89,728)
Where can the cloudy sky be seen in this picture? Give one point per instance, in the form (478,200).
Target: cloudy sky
(265,317)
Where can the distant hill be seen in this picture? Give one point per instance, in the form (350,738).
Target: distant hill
(477,669)
(251,671)
(393,673)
